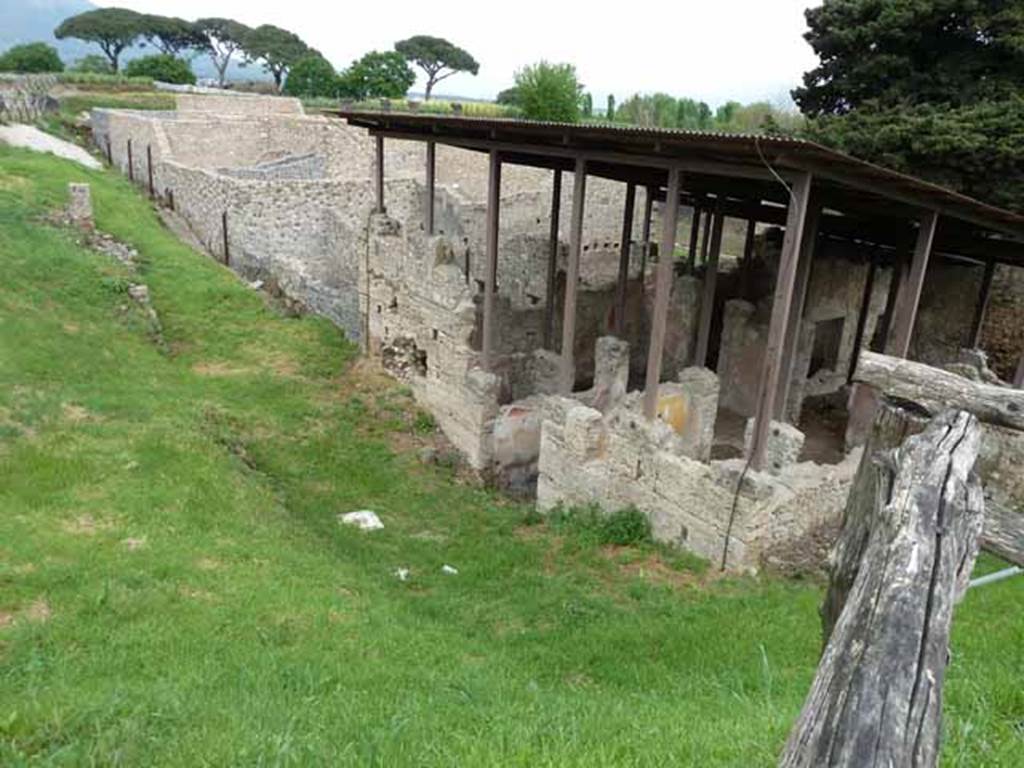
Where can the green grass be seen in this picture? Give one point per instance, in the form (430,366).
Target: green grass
(175,589)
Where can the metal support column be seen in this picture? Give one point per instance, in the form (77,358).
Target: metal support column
(624,253)
(707,301)
(379,175)
(490,281)
(663,287)
(431,163)
(905,311)
(781,303)
(549,303)
(974,340)
(572,276)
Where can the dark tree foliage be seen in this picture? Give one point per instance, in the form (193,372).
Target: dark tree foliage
(609,110)
(508,97)
(93,64)
(437,57)
(112,29)
(277,48)
(221,39)
(378,74)
(312,76)
(162,67)
(932,87)
(31,57)
(587,105)
(171,35)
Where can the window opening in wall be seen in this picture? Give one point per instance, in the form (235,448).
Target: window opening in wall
(828,336)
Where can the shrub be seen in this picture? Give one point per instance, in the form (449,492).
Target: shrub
(377,75)
(312,76)
(162,67)
(624,527)
(93,64)
(31,57)
(549,92)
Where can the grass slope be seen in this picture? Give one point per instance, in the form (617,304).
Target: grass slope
(175,589)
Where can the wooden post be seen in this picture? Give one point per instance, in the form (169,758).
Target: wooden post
(224,235)
(796,215)
(131,163)
(707,301)
(905,312)
(912,525)
(110,152)
(431,163)
(747,263)
(549,303)
(493,203)
(974,340)
(691,253)
(1018,377)
(796,310)
(572,276)
(149,169)
(379,176)
(663,287)
(646,235)
(624,253)
(862,316)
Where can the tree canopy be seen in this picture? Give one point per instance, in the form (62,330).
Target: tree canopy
(378,74)
(438,58)
(277,48)
(312,75)
(930,87)
(31,57)
(222,39)
(171,35)
(546,91)
(112,29)
(162,67)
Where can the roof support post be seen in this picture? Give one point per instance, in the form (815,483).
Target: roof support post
(706,240)
(625,247)
(490,280)
(1018,377)
(905,311)
(809,242)
(572,276)
(663,287)
(549,303)
(862,316)
(707,301)
(378,172)
(691,253)
(431,165)
(898,273)
(747,262)
(974,340)
(796,216)
(646,234)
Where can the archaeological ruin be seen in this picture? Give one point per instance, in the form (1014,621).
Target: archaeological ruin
(600,314)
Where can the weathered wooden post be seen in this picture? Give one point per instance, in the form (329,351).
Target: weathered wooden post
(224,234)
(909,540)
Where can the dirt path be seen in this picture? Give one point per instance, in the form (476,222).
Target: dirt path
(30,137)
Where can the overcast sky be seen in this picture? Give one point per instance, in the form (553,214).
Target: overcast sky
(714,50)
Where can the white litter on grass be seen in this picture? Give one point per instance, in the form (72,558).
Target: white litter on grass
(402,574)
(30,137)
(449,570)
(363,518)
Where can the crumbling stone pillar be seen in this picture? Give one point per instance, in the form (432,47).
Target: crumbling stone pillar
(80,205)
(611,372)
(584,433)
(700,392)
(784,445)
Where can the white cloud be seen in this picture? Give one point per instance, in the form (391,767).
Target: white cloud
(715,51)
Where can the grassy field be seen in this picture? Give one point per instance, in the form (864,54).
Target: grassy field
(175,588)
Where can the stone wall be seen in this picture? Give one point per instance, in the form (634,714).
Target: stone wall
(237,104)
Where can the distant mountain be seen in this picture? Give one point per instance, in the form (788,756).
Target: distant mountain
(30,21)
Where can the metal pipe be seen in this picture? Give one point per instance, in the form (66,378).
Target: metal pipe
(991,578)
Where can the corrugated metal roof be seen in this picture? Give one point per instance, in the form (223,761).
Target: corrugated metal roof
(750,150)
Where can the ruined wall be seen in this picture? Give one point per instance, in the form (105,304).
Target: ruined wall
(237,104)
(621,460)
